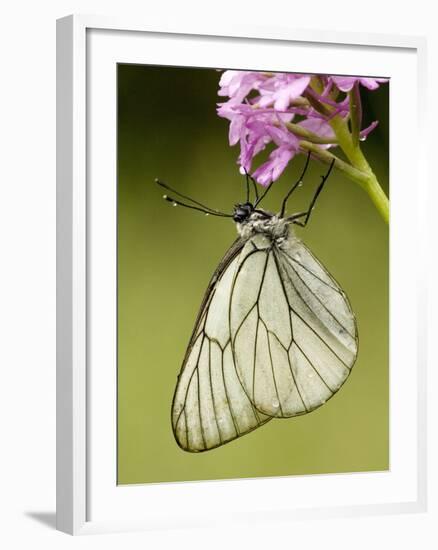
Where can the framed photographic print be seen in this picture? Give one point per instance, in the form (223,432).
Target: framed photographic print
(239,320)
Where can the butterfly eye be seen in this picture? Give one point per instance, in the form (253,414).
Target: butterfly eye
(240,215)
(242,212)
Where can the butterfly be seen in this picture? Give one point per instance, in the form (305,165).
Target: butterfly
(275,336)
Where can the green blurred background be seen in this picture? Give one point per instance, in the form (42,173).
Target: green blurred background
(168,128)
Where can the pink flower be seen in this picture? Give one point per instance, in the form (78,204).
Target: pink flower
(237,84)
(252,142)
(288,146)
(260,106)
(250,126)
(274,167)
(346,83)
(281,90)
(237,116)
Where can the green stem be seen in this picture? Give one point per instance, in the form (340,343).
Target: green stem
(358,170)
(358,160)
(377,195)
(352,151)
(355,113)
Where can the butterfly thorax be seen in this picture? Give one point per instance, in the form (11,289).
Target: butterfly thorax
(262,222)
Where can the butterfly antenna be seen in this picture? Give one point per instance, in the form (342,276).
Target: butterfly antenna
(205,211)
(298,183)
(186,197)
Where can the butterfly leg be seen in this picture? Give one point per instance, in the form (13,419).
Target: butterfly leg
(254,183)
(296,184)
(296,218)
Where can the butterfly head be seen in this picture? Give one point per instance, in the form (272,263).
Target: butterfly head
(242,212)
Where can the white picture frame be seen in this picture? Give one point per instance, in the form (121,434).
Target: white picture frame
(88,500)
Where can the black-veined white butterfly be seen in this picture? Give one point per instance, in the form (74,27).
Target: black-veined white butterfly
(275,335)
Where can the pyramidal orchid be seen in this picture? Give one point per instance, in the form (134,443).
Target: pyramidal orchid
(293,114)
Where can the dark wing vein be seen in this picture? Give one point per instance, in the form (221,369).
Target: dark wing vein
(290,366)
(320,301)
(213,400)
(294,289)
(190,380)
(272,366)
(306,323)
(313,367)
(291,330)
(235,424)
(199,408)
(312,272)
(256,337)
(253,251)
(199,333)
(244,319)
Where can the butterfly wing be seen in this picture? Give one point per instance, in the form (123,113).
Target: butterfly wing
(294,335)
(210,406)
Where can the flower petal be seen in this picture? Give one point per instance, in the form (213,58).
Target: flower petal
(364,133)
(274,167)
(293,90)
(236,128)
(344,83)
